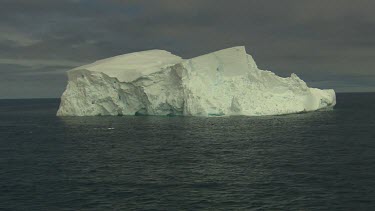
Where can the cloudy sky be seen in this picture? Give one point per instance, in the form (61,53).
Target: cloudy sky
(328,43)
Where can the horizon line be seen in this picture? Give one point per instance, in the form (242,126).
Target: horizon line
(40,98)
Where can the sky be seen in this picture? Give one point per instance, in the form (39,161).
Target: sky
(328,43)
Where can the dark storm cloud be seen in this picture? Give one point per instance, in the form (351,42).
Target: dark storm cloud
(328,43)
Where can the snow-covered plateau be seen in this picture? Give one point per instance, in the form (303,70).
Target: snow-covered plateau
(156,82)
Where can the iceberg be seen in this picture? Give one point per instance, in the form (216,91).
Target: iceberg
(156,82)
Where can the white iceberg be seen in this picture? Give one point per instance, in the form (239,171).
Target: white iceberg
(156,82)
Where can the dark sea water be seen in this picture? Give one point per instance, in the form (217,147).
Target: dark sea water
(311,161)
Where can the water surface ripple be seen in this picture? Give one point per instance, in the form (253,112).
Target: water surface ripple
(311,161)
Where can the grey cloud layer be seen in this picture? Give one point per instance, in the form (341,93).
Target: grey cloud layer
(328,41)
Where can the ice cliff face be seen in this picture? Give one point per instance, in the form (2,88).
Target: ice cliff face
(156,82)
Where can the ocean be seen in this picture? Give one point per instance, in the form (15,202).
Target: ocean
(322,160)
